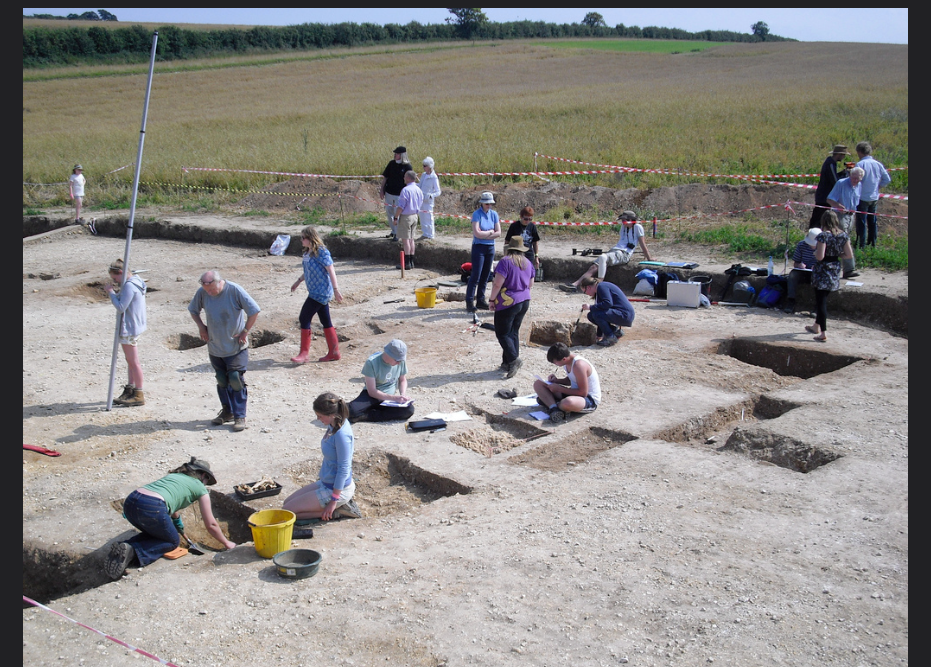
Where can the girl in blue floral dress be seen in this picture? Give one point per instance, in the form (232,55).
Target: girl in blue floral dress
(833,246)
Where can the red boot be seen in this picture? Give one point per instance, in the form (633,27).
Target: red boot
(306,337)
(332,343)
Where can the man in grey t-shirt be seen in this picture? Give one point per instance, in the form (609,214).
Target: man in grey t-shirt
(230,313)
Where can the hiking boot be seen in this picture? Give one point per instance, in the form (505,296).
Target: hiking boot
(851,274)
(134,401)
(348,511)
(572,289)
(617,330)
(607,341)
(514,367)
(470,306)
(481,304)
(225,416)
(789,307)
(127,392)
(239,424)
(557,416)
(121,555)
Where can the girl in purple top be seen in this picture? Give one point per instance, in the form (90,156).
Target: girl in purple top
(510,300)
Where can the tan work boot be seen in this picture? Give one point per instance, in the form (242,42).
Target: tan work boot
(239,424)
(127,392)
(137,399)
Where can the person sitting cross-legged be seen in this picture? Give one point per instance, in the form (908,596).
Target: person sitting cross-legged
(579,391)
(385,375)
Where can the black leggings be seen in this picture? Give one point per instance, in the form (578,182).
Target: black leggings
(311,308)
(821,308)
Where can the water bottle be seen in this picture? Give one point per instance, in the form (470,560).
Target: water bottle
(769,269)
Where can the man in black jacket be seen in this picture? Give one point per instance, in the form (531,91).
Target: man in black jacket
(829,178)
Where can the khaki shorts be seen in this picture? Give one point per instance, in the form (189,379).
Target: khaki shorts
(129,340)
(406,225)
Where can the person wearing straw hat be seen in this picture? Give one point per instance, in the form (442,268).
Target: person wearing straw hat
(827,181)
(155,510)
(76,190)
(486,227)
(130,302)
(510,301)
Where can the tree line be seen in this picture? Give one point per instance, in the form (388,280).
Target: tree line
(45,46)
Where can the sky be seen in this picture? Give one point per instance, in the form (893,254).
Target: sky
(840,24)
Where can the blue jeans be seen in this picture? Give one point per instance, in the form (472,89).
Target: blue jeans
(482,257)
(232,398)
(604,319)
(150,515)
(507,330)
(866,223)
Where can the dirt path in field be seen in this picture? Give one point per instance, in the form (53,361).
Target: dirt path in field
(671,527)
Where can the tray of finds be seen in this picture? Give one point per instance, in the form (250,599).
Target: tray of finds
(262,489)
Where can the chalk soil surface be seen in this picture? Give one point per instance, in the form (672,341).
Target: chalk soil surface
(629,536)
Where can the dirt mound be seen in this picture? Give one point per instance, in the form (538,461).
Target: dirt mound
(603,203)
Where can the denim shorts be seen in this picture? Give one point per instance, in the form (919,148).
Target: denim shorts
(590,405)
(324,495)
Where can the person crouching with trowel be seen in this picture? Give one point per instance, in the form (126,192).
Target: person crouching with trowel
(155,509)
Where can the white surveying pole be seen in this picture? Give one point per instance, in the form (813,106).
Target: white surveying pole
(132,216)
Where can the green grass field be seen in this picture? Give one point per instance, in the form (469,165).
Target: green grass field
(738,108)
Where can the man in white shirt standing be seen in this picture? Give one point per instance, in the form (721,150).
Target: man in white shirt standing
(875,177)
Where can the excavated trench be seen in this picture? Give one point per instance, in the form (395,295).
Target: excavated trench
(386,484)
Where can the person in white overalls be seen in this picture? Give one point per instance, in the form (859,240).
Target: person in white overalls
(430,185)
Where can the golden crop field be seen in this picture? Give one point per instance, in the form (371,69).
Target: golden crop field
(739,108)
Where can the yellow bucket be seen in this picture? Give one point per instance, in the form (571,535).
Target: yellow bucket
(271,531)
(426,297)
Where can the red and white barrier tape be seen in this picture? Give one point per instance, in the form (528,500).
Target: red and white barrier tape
(102,634)
(745,177)
(274,173)
(878,215)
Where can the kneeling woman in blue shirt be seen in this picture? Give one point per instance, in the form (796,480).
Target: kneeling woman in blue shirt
(331,495)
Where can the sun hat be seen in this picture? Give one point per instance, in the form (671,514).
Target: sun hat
(202,466)
(428,162)
(517,243)
(840,148)
(812,238)
(627,215)
(397,350)
(400,149)
(487,198)
(77,166)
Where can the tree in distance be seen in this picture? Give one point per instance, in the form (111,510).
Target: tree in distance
(467,19)
(761,30)
(594,20)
